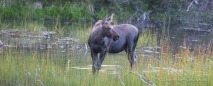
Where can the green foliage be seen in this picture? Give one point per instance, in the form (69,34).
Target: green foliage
(81,9)
(67,10)
(10,12)
(52,12)
(101,14)
(38,13)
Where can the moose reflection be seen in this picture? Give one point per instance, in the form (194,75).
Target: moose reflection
(112,39)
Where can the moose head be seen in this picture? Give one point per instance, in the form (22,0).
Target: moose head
(107,28)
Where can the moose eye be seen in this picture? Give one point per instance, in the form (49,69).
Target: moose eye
(108,30)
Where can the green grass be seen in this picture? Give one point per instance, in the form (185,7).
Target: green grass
(147,39)
(17,69)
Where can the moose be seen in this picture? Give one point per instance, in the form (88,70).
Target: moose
(105,37)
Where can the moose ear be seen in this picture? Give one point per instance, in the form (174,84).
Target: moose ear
(104,20)
(110,19)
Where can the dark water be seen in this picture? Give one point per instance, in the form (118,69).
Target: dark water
(181,37)
(67,36)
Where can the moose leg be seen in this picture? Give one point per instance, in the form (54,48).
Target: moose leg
(94,62)
(131,55)
(134,56)
(101,58)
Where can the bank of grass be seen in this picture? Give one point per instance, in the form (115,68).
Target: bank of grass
(77,30)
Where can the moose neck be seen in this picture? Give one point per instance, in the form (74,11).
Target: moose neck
(97,35)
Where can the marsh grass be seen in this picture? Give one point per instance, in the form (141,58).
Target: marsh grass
(147,39)
(41,68)
(19,68)
(81,34)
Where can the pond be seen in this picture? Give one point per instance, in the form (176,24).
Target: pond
(63,47)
